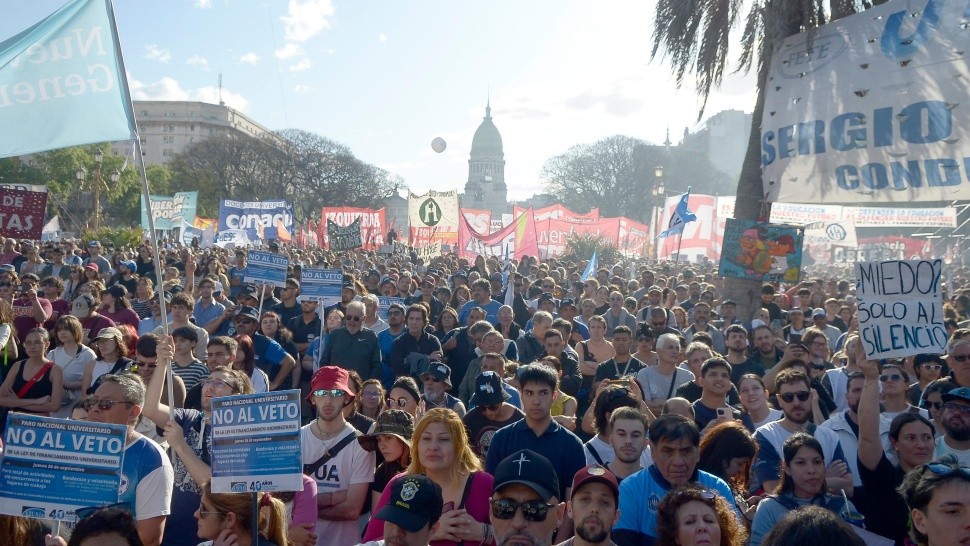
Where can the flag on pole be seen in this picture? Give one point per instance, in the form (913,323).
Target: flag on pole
(681,216)
(507,279)
(63,82)
(591,267)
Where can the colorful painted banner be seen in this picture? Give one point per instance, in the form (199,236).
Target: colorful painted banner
(518,239)
(254,216)
(763,252)
(344,238)
(868,107)
(372,224)
(62,82)
(22,213)
(321,285)
(170,211)
(900,308)
(256,443)
(52,467)
(433,217)
(266,268)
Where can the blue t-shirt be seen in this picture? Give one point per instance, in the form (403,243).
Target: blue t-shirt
(491,311)
(146,479)
(640,495)
(181,527)
(563,449)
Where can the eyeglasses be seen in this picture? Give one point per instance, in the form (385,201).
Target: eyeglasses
(959,408)
(942,469)
(932,367)
(531,510)
(103,405)
(789,397)
(214,383)
(395,312)
(932,405)
(401,402)
(961,358)
(334,393)
(372,395)
(890,377)
(705,495)
(353,318)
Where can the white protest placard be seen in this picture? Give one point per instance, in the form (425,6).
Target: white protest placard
(900,307)
(52,467)
(256,443)
(321,285)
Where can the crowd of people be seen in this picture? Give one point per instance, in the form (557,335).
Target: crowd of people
(492,403)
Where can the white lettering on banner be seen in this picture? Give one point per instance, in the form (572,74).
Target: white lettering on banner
(900,307)
(236,221)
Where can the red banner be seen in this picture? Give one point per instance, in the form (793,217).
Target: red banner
(372,224)
(559,212)
(701,237)
(22,213)
(633,237)
(479,220)
(553,234)
(516,240)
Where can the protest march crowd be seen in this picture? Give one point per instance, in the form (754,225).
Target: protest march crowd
(443,396)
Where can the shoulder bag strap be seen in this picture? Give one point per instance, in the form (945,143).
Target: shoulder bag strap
(33,380)
(595,454)
(310,469)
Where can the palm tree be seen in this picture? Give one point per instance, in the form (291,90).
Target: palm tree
(694,35)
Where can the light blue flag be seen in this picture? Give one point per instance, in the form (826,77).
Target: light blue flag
(507,279)
(62,82)
(681,216)
(591,267)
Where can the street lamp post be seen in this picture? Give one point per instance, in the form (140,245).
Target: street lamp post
(98,182)
(658,197)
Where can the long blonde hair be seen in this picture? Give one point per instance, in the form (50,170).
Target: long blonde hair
(272,512)
(466,461)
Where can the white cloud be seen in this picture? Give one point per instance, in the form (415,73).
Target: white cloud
(250,58)
(155,53)
(197,60)
(305,19)
(301,89)
(169,89)
(304,64)
(289,51)
(382,37)
(203,4)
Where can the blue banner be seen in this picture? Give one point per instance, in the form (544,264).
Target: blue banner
(384,303)
(255,216)
(172,210)
(266,268)
(256,443)
(321,285)
(51,467)
(62,82)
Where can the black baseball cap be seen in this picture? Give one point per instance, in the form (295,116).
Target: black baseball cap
(415,502)
(530,469)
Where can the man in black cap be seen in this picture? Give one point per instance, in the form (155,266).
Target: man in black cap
(491,410)
(347,295)
(437,383)
(525,504)
(568,312)
(593,506)
(413,509)
(270,356)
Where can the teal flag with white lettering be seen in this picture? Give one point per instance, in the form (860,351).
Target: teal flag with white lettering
(62,82)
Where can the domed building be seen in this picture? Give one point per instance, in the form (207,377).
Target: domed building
(485,188)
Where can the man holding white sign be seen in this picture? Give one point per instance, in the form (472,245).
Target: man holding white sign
(900,308)
(146,473)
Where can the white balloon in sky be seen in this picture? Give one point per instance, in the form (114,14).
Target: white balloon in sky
(439,144)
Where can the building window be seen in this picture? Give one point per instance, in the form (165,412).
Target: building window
(192,127)
(168,152)
(168,140)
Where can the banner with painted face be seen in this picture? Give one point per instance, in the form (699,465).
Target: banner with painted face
(870,107)
(254,216)
(759,251)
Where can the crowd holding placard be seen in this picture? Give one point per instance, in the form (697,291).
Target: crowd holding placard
(484,402)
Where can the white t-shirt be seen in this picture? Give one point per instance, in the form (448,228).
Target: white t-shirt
(352,465)
(607,455)
(73,368)
(943,449)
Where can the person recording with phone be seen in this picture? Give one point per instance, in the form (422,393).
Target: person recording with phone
(30,310)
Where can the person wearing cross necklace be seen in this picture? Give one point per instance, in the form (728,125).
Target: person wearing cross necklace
(332,456)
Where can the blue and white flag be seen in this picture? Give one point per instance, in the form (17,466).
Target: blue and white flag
(681,216)
(591,267)
(62,82)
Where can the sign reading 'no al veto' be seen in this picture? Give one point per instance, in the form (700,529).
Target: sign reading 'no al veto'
(900,306)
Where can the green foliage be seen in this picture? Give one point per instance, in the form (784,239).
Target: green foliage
(115,236)
(580,247)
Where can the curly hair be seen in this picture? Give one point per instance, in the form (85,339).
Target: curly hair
(732,532)
(465,462)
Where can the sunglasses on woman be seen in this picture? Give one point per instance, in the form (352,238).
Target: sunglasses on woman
(401,402)
(533,511)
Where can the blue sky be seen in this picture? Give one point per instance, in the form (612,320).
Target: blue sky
(385,77)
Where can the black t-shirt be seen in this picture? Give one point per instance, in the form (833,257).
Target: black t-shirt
(612,370)
(481,430)
(382,477)
(704,415)
(692,393)
(886,513)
